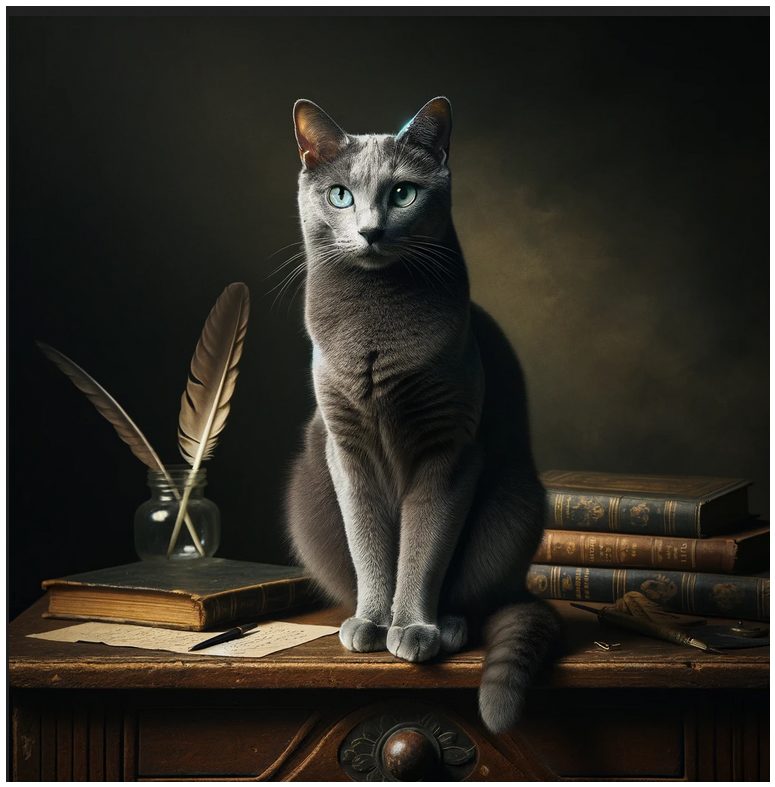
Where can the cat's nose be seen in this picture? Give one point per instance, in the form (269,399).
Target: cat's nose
(372,234)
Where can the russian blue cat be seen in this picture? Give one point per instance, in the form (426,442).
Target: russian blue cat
(415,498)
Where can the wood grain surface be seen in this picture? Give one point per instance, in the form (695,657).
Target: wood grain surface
(640,663)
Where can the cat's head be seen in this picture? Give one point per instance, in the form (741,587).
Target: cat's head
(373,199)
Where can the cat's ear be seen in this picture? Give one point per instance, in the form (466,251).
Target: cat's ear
(319,138)
(431,127)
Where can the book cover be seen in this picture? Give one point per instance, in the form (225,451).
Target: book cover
(682,591)
(193,594)
(743,552)
(682,506)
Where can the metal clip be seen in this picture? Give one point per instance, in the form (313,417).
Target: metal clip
(743,630)
(608,645)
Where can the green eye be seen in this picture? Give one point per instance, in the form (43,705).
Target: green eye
(403,194)
(340,197)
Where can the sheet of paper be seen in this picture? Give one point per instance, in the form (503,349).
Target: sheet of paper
(267,638)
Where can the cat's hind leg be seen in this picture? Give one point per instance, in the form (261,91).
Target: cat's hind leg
(314,520)
(454,633)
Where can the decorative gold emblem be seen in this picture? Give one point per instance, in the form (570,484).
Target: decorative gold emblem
(537,583)
(639,515)
(586,511)
(660,589)
(727,596)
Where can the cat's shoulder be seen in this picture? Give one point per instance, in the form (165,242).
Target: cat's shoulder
(494,346)
(484,324)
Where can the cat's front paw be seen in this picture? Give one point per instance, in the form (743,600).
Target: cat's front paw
(362,635)
(416,642)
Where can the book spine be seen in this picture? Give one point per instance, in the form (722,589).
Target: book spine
(617,514)
(682,591)
(562,547)
(273,598)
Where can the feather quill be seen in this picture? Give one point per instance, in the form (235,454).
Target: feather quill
(206,401)
(113,412)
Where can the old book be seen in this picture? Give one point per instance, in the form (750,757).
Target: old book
(193,594)
(667,505)
(722,595)
(736,553)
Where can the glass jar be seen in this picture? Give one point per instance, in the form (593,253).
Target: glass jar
(155,519)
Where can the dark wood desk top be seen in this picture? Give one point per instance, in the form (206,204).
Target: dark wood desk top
(324,663)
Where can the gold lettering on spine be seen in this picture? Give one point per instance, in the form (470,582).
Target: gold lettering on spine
(687,552)
(658,550)
(613,513)
(558,500)
(618,582)
(669,516)
(554,582)
(688,583)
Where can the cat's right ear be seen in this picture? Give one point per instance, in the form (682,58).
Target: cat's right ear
(319,138)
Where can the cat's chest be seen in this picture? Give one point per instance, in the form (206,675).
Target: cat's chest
(353,375)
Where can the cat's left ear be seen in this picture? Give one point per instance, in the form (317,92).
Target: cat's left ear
(431,127)
(319,138)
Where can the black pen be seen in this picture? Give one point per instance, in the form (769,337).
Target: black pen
(226,636)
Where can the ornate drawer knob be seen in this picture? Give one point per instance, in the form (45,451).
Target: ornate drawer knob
(407,743)
(408,755)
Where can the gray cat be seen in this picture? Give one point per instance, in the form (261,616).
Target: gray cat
(415,497)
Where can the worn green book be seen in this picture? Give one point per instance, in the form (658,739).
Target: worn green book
(192,594)
(722,595)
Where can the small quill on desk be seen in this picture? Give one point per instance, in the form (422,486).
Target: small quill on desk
(644,626)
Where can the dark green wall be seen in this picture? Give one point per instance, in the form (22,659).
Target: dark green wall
(610,190)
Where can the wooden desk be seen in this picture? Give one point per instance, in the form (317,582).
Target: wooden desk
(317,712)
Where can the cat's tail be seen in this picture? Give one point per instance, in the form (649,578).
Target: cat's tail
(518,638)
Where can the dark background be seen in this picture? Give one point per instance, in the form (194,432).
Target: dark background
(610,189)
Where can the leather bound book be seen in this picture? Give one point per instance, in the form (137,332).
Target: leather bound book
(737,553)
(664,505)
(195,595)
(723,595)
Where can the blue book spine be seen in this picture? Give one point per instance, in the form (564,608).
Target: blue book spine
(722,595)
(619,514)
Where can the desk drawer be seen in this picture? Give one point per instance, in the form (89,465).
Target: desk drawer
(344,735)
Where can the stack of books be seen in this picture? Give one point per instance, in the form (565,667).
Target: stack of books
(686,542)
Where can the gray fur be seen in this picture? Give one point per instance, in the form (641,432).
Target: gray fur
(415,498)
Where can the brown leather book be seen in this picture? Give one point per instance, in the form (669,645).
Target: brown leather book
(737,553)
(194,594)
(666,505)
